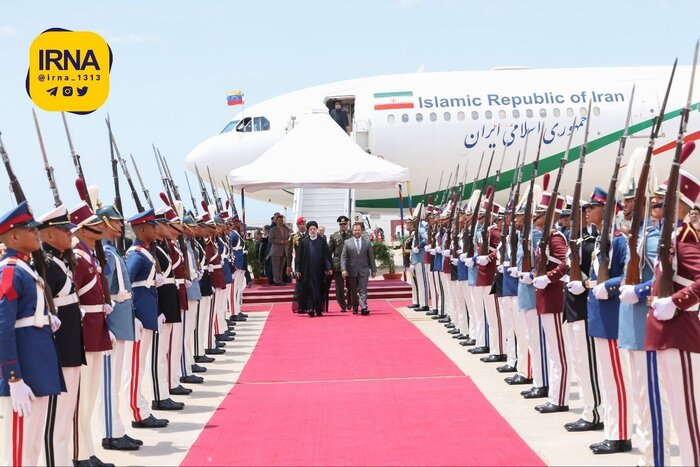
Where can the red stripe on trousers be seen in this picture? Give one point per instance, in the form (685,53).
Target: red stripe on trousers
(17,434)
(500,328)
(133,399)
(690,409)
(529,366)
(620,388)
(562,357)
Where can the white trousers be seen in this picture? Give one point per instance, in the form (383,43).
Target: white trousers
(471,307)
(584,364)
(108,405)
(650,407)
(447,294)
(66,407)
(613,392)
(91,380)
(524,365)
(537,347)
(22,438)
(228,306)
(557,361)
(201,337)
(436,290)
(477,316)
(680,374)
(239,284)
(219,323)
(175,352)
(189,329)
(493,320)
(411,280)
(508,307)
(162,369)
(421,285)
(139,355)
(460,291)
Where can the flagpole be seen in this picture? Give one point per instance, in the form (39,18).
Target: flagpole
(403,246)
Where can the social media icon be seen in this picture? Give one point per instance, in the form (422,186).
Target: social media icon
(53,91)
(82,91)
(67,91)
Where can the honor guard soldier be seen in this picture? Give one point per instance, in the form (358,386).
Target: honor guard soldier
(30,371)
(218,283)
(237,245)
(549,298)
(201,341)
(419,269)
(123,325)
(96,335)
(56,235)
(335,244)
(141,265)
(194,295)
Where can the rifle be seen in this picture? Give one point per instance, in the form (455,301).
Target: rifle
(121,241)
(125,170)
(477,206)
(605,241)
(455,201)
(465,233)
(665,279)
(166,168)
(416,227)
(430,239)
(633,275)
(202,188)
(511,206)
(527,219)
(484,247)
(38,257)
(99,249)
(541,267)
(513,228)
(575,273)
(194,203)
(144,190)
(215,193)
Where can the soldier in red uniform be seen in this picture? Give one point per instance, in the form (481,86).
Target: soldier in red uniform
(96,336)
(218,283)
(673,328)
(549,298)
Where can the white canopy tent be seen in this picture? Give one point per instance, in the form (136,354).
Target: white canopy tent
(317,154)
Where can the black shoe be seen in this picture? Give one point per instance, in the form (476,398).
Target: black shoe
(318,313)
(242,315)
(220,344)
(343,310)
(444,320)
(423,308)
(479,350)
(437,317)
(454,332)
(204,359)
(95,461)
(432,313)
(413,305)
(612,447)
(151,422)
(468,342)
(460,337)
(537,393)
(138,442)
(517,379)
(239,318)
(83,463)
(216,351)
(199,369)
(364,312)
(551,408)
(230,333)
(119,444)
(167,404)
(583,425)
(311,314)
(354,311)
(506,369)
(223,338)
(191,379)
(180,390)
(450,326)
(494,358)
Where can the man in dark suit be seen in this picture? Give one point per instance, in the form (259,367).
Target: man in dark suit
(356,262)
(340,116)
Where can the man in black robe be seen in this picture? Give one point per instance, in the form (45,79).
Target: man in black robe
(314,270)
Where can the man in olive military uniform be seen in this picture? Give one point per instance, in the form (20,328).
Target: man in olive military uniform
(335,244)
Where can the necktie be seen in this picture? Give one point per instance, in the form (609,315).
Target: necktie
(357,245)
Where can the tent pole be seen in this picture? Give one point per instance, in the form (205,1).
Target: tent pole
(403,246)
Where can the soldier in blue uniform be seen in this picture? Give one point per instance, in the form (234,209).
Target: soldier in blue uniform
(417,263)
(30,371)
(190,319)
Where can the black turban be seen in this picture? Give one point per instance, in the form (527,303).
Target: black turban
(312,223)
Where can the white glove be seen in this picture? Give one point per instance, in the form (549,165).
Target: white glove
(82,314)
(112,337)
(454,261)
(628,295)
(664,308)
(108,308)
(463,257)
(415,250)
(446,252)
(459,252)
(525,278)
(513,271)
(158,281)
(161,322)
(22,397)
(121,296)
(506,264)
(54,322)
(411,268)
(438,250)
(138,329)
(576,287)
(600,292)
(469,262)
(540,282)
(482,260)
(432,251)
(564,278)
(500,268)
(427,248)
(188,284)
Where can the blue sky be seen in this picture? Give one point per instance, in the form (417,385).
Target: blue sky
(174,62)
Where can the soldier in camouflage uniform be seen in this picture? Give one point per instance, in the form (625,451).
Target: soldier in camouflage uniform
(335,244)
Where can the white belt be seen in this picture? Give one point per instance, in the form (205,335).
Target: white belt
(66,299)
(145,283)
(169,280)
(93,308)
(553,259)
(128,296)
(180,282)
(215,266)
(30,321)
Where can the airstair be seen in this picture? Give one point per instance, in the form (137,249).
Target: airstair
(323,205)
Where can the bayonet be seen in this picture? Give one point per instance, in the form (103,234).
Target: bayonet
(146,194)
(194,203)
(47,167)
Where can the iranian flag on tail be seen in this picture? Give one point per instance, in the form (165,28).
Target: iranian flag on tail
(393,100)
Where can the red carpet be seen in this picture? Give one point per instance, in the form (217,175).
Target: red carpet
(345,389)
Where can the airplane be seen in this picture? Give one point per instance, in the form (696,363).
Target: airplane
(430,122)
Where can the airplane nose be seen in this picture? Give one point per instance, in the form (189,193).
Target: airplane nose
(206,153)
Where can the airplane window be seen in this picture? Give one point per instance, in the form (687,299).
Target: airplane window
(261,123)
(404,118)
(390,118)
(245,125)
(231,125)
(569,112)
(447,116)
(501,114)
(475,115)
(556,112)
(528,112)
(433,116)
(488,114)
(516,113)
(582,111)
(419,117)
(596,111)
(543,112)
(460,115)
